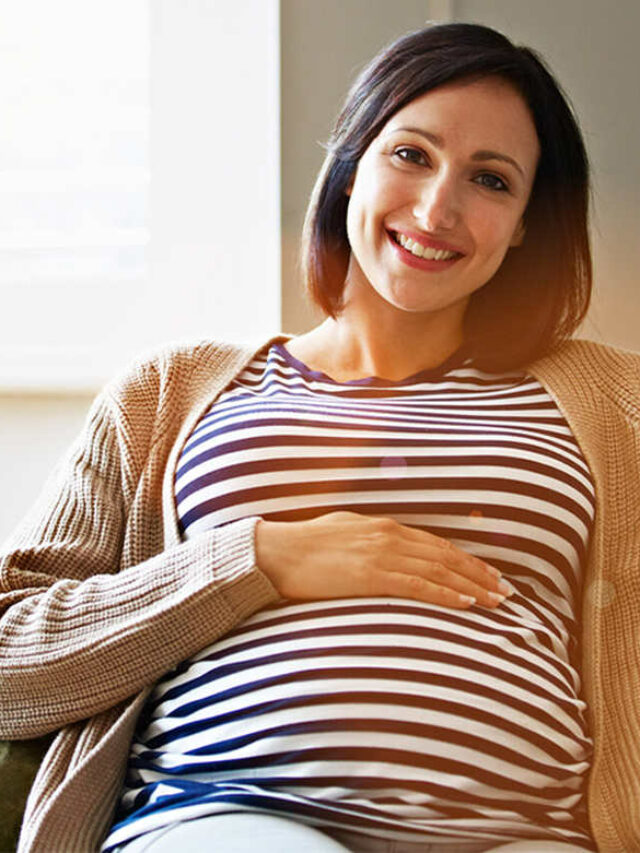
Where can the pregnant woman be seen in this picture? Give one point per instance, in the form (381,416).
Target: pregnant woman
(375,587)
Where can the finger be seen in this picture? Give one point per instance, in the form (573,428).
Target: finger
(444,576)
(401,585)
(453,552)
(392,540)
(448,566)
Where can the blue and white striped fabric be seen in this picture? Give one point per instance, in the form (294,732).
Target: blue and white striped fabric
(385,716)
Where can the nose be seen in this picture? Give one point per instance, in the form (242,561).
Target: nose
(437,207)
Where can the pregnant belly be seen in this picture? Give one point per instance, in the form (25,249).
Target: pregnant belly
(376,700)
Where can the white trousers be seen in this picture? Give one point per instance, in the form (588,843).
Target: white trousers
(244,832)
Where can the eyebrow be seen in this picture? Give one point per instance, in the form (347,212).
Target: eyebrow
(478,155)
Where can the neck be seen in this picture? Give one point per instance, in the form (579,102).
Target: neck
(353,348)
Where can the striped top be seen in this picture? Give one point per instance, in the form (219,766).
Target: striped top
(385,716)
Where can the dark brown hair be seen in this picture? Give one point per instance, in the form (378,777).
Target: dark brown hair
(541,292)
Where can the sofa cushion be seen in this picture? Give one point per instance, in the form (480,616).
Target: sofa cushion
(19,762)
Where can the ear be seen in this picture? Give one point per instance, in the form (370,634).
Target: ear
(518,234)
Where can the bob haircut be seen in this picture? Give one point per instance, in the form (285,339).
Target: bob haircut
(541,292)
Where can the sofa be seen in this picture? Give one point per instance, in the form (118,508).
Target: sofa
(19,761)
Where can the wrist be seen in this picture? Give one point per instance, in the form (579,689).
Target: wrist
(267,537)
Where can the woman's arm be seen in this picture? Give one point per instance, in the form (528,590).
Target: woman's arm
(77,633)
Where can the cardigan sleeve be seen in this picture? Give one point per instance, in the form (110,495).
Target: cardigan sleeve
(79,630)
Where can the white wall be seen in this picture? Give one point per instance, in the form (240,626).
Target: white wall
(34,430)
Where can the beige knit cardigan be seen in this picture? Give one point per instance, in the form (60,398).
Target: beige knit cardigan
(100,598)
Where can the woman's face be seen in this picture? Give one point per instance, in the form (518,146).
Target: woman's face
(452,171)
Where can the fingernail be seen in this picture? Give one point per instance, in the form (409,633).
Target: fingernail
(506,588)
(495,598)
(493,571)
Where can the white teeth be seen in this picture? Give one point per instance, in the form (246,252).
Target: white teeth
(421,251)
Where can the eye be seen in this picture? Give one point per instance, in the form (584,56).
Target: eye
(493,182)
(410,155)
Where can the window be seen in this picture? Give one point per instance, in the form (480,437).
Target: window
(74,172)
(134,136)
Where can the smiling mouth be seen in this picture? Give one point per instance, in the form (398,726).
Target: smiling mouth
(420,251)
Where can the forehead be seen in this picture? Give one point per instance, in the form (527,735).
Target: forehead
(482,113)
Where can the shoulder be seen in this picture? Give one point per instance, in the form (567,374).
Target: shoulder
(150,398)
(599,352)
(597,359)
(590,370)
(169,368)
(174,356)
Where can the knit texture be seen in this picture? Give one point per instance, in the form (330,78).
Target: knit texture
(100,597)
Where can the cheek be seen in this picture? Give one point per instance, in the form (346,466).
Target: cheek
(359,215)
(352,217)
(492,231)
(367,218)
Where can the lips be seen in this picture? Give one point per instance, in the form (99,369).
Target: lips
(435,248)
(412,239)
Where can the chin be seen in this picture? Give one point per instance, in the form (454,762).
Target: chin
(417,304)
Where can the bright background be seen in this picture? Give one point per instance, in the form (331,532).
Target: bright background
(156,157)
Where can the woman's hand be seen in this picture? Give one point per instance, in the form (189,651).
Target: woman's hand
(345,554)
